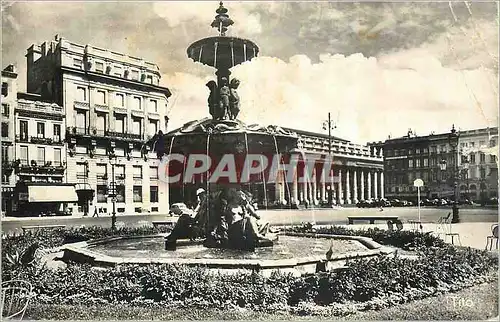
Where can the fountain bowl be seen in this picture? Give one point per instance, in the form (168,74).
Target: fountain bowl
(295,253)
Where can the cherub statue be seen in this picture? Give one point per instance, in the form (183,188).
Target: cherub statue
(234,99)
(224,93)
(213,100)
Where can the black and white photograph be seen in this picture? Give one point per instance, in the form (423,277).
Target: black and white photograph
(249,160)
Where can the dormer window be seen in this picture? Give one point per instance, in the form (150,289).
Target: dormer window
(99,67)
(77,63)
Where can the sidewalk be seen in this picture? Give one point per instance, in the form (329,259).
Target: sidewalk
(79,217)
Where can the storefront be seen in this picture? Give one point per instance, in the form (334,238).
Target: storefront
(43,199)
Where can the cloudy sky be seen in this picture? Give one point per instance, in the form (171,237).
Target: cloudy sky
(379,68)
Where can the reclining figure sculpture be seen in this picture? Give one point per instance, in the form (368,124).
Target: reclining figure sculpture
(226,219)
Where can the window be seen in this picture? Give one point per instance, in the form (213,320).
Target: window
(481,143)
(410,163)
(154,209)
(101,97)
(81,120)
(102,193)
(417,151)
(149,79)
(77,63)
(482,172)
(24,154)
(57,157)
(425,150)
(443,148)
(118,71)
(41,156)
(433,162)
(472,158)
(396,153)
(5,89)
(153,106)
(493,159)
(434,149)
(410,151)
(417,163)
(101,171)
(153,127)
(136,126)
(120,123)
(425,176)
(119,100)
(120,193)
(5,109)
(482,158)
(5,129)
(101,123)
(99,67)
(81,94)
(135,75)
(471,144)
(23,130)
(410,177)
(153,194)
(426,162)
(493,143)
(40,130)
(137,193)
(120,172)
(5,153)
(153,172)
(136,103)
(81,170)
(57,132)
(137,171)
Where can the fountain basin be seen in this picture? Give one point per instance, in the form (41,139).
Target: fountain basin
(294,252)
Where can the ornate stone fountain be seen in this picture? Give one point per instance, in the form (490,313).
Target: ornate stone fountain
(222,134)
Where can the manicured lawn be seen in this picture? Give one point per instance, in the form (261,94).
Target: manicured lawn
(479,302)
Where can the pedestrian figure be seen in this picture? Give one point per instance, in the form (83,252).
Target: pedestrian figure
(96,214)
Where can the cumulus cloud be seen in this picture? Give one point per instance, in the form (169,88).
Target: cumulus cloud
(371,96)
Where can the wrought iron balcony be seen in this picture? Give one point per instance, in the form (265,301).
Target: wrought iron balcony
(34,167)
(125,135)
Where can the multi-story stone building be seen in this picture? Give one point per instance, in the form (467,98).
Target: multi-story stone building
(479,164)
(9,92)
(111,103)
(438,159)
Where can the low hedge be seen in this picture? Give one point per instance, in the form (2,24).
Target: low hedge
(404,239)
(360,285)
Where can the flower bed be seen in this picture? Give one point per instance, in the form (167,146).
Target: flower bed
(361,285)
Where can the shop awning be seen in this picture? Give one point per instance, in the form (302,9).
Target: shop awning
(52,194)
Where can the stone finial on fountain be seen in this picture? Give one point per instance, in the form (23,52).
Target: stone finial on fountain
(222,20)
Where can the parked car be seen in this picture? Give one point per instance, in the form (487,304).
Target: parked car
(179,208)
(364,204)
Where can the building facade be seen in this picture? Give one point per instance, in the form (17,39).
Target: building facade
(479,163)
(87,114)
(9,100)
(440,160)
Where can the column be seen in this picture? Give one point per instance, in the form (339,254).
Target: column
(355,186)
(295,196)
(304,189)
(340,193)
(362,181)
(382,185)
(375,185)
(323,187)
(369,183)
(347,188)
(314,188)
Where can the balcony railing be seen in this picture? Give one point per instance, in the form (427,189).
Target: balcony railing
(40,167)
(40,107)
(124,135)
(81,175)
(40,140)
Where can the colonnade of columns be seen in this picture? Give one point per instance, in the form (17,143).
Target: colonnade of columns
(347,186)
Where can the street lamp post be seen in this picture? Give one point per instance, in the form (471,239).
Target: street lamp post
(85,180)
(112,161)
(330,126)
(453,141)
